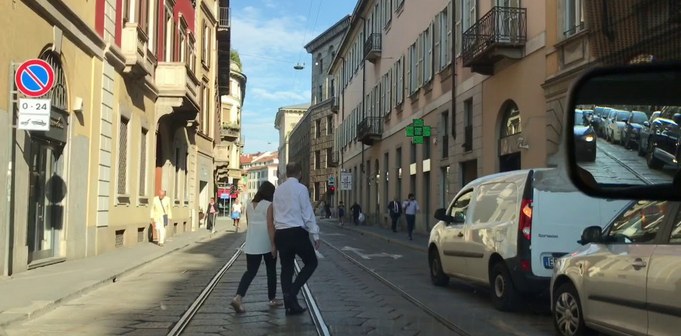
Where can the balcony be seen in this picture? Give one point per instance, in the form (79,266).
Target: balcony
(499,34)
(176,80)
(139,62)
(370,130)
(224,21)
(372,47)
(334,160)
(335,104)
(230,131)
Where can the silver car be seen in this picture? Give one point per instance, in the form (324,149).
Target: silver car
(626,278)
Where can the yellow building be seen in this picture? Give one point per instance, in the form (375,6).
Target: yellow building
(127,96)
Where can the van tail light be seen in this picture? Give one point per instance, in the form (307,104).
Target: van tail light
(526,218)
(525,265)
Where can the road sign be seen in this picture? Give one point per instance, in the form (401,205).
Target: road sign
(417,131)
(224,196)
(34,114)
(34,78)
(332,181)
(345,181)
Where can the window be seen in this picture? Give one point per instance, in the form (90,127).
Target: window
(207,38)
(205,110)
(317,160)
(640,223)
(182,44)
(413,61)
(426,148)
(329,125)
(123,156)
(143,15)
(143,163)
(443,40)
(329,156)
(511,123)
(153,27)
(468,124)
(460,206)
(318,128)
(169,34)
(398,172)
(126,11)
(573,16)
(428,62)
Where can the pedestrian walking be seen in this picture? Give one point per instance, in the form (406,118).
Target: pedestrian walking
(341,213)
(411,207)
(395,210)
(236,213)
(211,213)
(294,221)
(356,211)
(259,245)
(160,214)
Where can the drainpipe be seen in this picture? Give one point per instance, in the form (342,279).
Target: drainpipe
(11,134)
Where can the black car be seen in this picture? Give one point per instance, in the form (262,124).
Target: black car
(645,133)
(585,138)
(663,144)
(632,129)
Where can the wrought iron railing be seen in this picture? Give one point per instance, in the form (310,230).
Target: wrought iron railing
(370,126)
(500,26)
(372,44)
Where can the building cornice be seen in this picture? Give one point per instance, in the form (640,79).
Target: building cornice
(208,13)
(339,27)
(347,39)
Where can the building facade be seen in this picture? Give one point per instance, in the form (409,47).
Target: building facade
(126,105)
(324,104)
(258,168)
(285,121)
(394,66)
(228,150)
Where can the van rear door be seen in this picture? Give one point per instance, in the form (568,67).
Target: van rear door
(559,217)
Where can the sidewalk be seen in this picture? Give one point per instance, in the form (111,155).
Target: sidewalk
(420,242)
(31,293)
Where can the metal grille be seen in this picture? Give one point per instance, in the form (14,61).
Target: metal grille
(143,163)
(500,26)
(123,157)
(58,94)
(120,238)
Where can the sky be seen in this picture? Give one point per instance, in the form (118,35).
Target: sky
(270,36)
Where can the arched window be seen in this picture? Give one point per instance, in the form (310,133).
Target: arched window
(510,123)
(59,93)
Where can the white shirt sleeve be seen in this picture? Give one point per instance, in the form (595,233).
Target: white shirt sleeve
(308,213)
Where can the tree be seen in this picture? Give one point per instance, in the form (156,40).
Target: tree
(234,56)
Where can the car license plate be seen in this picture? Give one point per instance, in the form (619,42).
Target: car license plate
(549,262)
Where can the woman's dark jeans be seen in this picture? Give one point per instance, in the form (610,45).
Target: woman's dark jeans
(252,265)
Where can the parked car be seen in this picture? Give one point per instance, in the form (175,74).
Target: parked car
(600,120)
(663,144)
(585,137)
(645,133)
(625,278)
(505,230)
(632,129)
(616,125)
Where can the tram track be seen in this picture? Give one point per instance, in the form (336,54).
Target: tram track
(181,325)
(416,302)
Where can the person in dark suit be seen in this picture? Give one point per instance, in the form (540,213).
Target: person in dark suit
(395,210)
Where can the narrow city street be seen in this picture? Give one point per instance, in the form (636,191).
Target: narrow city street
(364,285)
(616,164)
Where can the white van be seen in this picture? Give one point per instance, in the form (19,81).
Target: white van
(506,230)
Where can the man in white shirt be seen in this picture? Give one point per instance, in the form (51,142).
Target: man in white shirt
(294,221)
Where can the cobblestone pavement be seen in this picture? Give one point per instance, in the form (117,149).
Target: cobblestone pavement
(608,167)
(146,302)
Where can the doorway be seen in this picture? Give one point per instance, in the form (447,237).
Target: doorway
(46,192)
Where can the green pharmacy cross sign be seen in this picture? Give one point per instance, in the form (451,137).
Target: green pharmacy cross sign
(417,131)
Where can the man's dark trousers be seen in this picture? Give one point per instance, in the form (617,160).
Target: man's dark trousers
(395,217)
(292,242)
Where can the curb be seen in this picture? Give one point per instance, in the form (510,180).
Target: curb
(94,286)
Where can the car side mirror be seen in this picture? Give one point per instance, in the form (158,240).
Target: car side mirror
(459,217)
(646,123)
(643,87)
(592,234)
(441,214)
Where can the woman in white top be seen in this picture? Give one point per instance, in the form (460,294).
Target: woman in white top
(236,213)
(259,245)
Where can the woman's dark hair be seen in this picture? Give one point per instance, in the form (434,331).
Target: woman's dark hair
(265,192)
